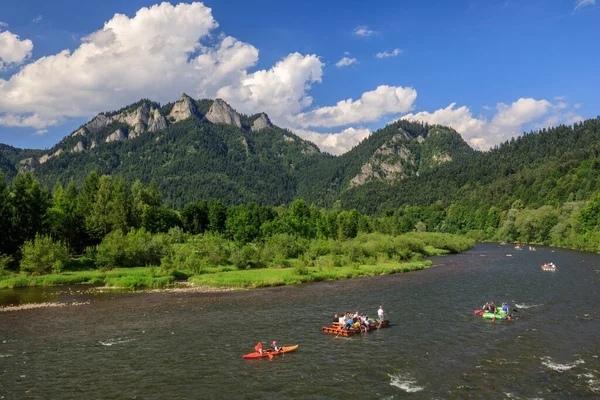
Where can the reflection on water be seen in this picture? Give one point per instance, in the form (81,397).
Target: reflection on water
(189,345)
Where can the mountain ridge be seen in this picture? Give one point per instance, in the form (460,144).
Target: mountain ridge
(204,149)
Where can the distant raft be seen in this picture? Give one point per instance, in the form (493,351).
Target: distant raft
(493,316)
(338,331)
(549,267)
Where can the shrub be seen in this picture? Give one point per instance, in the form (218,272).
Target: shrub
(43,255)
(301,268)
(244,257)
(5,261)
(136,249)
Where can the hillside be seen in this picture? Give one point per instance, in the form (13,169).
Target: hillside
(192,149)
(398,152)
(203,149)
(551,166)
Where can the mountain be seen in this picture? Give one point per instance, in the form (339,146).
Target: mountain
(548,167)
(400,151)
(204,149)
(193,149)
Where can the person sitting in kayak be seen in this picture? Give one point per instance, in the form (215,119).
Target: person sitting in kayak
(504,308)
(274,346)
(258,348)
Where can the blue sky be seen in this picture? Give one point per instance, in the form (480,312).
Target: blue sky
(490,69)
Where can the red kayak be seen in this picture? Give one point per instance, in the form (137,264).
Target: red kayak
(271,353)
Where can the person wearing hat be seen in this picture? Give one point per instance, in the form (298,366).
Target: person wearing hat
(274,346)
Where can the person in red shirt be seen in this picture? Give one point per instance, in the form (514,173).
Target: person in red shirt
(258,348)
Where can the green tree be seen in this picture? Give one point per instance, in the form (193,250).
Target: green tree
(30,203)
(7,241)
(43,255)
(217,216)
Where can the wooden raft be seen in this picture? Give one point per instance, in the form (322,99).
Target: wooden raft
(336,329)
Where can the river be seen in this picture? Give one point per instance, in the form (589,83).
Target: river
(190,345)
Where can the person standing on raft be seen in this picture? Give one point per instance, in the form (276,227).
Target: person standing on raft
(381,314)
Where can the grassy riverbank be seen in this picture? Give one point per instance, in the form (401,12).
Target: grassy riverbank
(210,261)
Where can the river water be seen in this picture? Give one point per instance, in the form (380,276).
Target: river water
(190,345)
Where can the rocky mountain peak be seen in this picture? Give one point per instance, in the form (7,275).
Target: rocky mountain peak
(99,122)
(221,113)
(262,122)
(116,136)
(182,109)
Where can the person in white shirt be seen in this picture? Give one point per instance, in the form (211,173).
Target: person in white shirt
(380,314)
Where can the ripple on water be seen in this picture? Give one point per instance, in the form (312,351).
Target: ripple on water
(111,342)
(405,382)
(593,383)
(526,305)
(549,363)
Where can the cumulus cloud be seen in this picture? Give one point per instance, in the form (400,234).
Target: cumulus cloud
(24,120)
(280,91)
(159,53)
(335,143)
(370,107)
(13,50)
(363,31)
(583,3)
(508,121)
(461,119)
(388,54)
(346,61)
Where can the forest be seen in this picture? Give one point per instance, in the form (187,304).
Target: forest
(540,188)
(105,231)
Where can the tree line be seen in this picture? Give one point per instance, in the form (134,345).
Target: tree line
(78,220)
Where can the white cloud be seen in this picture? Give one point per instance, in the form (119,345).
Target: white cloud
(280,91)
(37,19)
(508,121)
(461,119)
(370,107)
(335,143)
(346,61)
(570,118)
(41,132)
(583,3)
(520,112)
(386,54)
(13,50)
(158,53)
(3,24)
(23,120)
(577,105)
(363,31)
